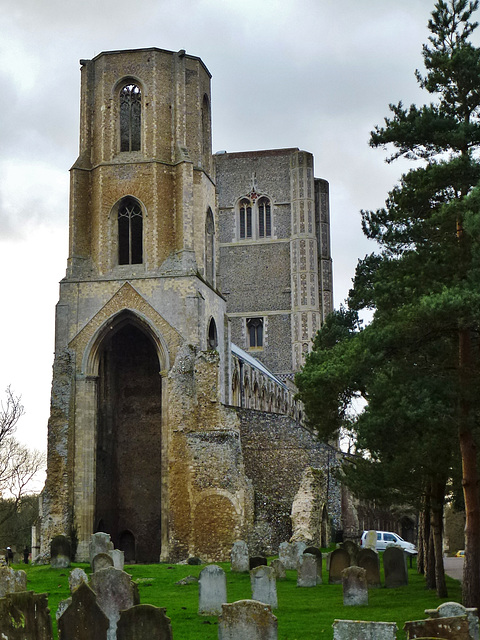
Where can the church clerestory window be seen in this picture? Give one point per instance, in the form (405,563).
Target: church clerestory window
(130,232)
(130,117)
(255,333)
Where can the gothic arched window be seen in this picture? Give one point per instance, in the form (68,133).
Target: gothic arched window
(264,218)
(245,219)
(130,232)
(212,335)
(255,332)
(130,117)
(209,248)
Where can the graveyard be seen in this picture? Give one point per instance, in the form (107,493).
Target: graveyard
(303,612)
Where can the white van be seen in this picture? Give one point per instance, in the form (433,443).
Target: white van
(388,537)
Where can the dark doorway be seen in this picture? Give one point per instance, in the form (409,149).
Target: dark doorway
(128,499)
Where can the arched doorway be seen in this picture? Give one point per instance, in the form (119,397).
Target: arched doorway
(128,472)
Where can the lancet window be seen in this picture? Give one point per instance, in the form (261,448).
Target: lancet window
(130,117)
(130,232)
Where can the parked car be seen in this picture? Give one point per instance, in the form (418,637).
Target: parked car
(389,537)
(460,553)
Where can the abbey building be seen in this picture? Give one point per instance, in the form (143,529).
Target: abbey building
(194,285)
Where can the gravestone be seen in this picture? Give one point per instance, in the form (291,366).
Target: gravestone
(60,552)
(363,630)
(212,590)
(99,543)
(257,561)
(76,578)
(115,591)
(352,549)
(454,628)
(264,586)
(307,573)
(102,561)
(395,567)
(315,551)
(12,581)
(62,607)
(25,616)
(298,549)
(83,619)
(368,559)
(247,620)
(451,609)
(239,557)
(118,558)
(371,540)
(279,569)
(339,560)
(287,554)
(144,622)
(355,588)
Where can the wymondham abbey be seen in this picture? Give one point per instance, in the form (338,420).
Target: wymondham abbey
(194,285)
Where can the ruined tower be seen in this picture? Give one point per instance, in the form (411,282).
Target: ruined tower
(140,442)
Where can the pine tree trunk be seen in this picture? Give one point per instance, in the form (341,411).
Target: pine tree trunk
(428,545)
(421,542)
(438,497)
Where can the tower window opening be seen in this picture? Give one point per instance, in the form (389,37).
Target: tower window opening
(255,332)
(245,219)
(130,117)
(264,219)
(130,233)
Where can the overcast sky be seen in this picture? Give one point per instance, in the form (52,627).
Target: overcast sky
(313,74)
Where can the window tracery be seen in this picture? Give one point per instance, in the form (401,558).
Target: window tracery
(254,217)
(130,232)
(130,117)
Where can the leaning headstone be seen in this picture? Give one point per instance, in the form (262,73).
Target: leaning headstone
(25,615)
(264,586)
(339,560)
(239,557)
(115,591)
(62,607)
(279,568)
(100,543)
(371,540)
(315,551)
(247,620)
(60,552)
(102,561)
(12,581)
(257,561)
(355,588)
(352,549)
(395,567)
(212,590)
(20,580)
(451,609)
(368,559)
(118,558)
(455,628)
(76,578)
(83,619)
(288,556)
(144,622)
(363,630)
(307,571)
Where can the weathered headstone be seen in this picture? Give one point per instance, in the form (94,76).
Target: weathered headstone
(363,630)
(288,556)
(355,588)
(247,620)
(257,561)
(115,591)
(212,590)
(239,557)
(25,615)
(307,571)
(371,540)
(339,560)
(264,586)
(352,549)
(60,552)
(144,622)
(455,628)
(298,549)
(102,561)
(395,567)
(100,543)
(12,581)
(118,558)
(368,559)
(62,607)
(451,609)
(83,619)
(279,568)
(76,578)
(315,551)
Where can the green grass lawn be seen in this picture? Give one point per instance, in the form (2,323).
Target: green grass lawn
(303,613)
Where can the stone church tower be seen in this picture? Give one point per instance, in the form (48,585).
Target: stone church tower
(138,427)
(163,433)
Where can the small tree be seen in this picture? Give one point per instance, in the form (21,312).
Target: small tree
(18,464)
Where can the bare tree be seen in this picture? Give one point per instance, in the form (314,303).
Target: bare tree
(18,464)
